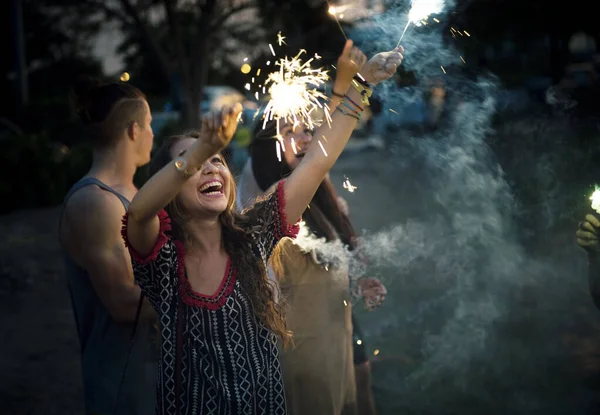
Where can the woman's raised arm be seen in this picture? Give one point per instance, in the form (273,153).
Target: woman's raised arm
(143,223)
(328,142)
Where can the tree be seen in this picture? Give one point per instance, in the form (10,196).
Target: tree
(184,37)
(57,45)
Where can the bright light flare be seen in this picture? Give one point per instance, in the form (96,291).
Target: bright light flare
(419,11)
(245,68)
(294,94)
(595,198)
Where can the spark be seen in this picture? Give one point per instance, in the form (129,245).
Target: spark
(595,198)
(348,186)
(268,63)
(463,59)
(345,303)
(124,77)
(324,138)
(256,95)
(467,33)
(245,59)
(419,11)
(277,146)
(322,148)
(294,94)
(443,70)
(317,56)
(359,342)
(247,86)
(252,79)
(272,51)
(294,146)
(436,20)
(280,39)
(375,352)
(395,112)
(239,118)
(258,72)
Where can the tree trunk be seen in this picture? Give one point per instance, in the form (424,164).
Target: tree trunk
(199,66)
(199,77)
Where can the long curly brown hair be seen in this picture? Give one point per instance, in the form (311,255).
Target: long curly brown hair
(237,240)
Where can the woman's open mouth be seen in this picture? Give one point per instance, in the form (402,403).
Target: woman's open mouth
(212,189)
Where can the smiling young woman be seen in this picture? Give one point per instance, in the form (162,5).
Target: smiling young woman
(203,266)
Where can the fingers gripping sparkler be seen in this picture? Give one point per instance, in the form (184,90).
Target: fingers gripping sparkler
(420,10)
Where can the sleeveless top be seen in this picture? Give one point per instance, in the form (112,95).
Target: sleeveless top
(104,342)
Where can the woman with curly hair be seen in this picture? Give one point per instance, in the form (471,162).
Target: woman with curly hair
(203,266)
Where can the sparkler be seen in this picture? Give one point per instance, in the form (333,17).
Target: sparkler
(332,11)
(294,93)
(420,10)
(595,198)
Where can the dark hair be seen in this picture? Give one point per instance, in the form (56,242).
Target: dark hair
(236,239)
(323,216)
(107,109)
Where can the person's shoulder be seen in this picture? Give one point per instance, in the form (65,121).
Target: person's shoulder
(94,205)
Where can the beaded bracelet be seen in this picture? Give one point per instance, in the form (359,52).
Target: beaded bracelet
(351,109)
(354,103)
(346,113)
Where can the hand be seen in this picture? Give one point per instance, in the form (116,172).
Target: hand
(373,292)
(218,128)
(382,66)
(587,234)
(349,64)
(343,205)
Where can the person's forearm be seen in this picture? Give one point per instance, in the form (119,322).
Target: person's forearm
(337,92)
(334,138)
(162,188)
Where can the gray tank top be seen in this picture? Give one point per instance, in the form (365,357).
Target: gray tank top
(104,343)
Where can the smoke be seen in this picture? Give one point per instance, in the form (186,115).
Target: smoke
(470,324)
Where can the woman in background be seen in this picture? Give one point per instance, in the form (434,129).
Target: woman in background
(319,371)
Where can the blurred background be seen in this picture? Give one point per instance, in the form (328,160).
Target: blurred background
(471,172)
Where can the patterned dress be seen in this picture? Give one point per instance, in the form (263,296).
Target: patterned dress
(216,357)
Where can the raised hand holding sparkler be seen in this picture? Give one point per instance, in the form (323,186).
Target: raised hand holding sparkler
(382,66)
(302,184)
(218,128)
(349,63)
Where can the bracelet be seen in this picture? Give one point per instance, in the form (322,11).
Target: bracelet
(335,94)
(346,113)
(354,103)
(365,92)
(350,108)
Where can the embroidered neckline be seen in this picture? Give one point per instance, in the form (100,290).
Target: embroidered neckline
(195,299)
